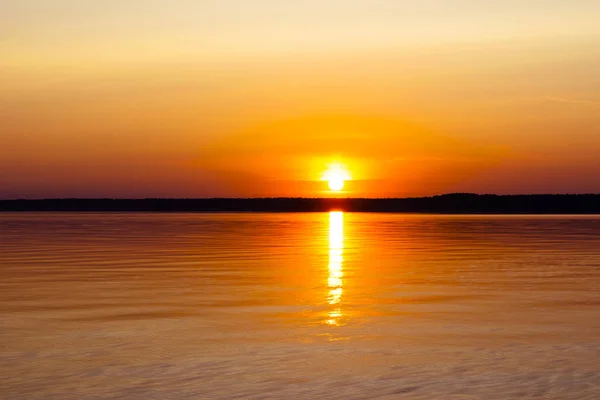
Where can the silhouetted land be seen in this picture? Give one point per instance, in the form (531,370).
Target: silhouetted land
(458,203)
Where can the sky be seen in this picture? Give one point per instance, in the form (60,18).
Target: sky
(253,98)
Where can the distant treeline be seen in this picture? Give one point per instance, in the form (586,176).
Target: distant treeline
(457,203)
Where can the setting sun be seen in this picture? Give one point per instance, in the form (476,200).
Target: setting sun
(336,176)
(336,184)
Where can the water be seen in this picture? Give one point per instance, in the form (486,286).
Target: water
(299,306)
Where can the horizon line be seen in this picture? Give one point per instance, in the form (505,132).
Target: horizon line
(298,197)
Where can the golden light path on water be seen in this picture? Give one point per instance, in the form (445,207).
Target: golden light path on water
(336,258)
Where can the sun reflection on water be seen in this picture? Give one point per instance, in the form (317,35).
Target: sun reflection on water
(336,258)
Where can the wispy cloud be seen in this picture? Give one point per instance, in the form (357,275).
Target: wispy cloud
(564,100)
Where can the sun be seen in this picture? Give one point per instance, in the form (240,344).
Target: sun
(336,184)
(336,176)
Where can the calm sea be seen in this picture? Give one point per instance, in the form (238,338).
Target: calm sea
(299,306)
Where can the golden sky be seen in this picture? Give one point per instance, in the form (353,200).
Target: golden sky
(194,98)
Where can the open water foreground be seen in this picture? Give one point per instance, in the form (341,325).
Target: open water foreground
(299,306)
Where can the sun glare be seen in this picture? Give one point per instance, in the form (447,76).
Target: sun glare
(336,176)
(336,184)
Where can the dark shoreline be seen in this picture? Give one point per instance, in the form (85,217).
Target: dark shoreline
(457,203)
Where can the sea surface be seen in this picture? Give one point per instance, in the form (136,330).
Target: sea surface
(299,306)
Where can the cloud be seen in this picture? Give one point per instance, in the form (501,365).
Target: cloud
(563,100)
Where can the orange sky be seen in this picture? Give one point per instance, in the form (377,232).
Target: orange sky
(255,98)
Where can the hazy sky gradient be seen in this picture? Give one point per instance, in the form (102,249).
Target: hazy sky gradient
(253,98)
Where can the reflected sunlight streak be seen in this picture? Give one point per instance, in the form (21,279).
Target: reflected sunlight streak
(334,280)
